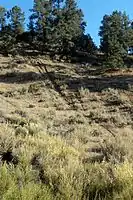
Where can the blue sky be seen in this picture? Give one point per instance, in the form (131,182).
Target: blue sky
(93,10)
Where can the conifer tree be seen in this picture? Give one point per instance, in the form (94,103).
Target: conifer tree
(2,18)
(85,43)
(17,18)
(70,26)
(11,26)
(40,22)
(57,23)
(115,33)
(5,33)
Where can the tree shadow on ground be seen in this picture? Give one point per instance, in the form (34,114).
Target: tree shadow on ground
(85,79)
(20,77)
(102,83)
(27,77)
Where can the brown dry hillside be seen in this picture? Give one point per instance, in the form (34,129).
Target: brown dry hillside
(87,109)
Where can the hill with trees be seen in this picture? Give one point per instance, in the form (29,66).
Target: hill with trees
(66,105)
(58,28)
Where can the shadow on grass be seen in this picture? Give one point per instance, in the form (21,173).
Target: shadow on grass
(82,78)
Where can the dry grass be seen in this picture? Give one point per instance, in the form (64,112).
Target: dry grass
(73,144)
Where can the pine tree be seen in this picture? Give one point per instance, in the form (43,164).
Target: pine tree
(85,43)
(2,18)
(17,18)
(11,26)
(40,22)
(57,23)
(70,26)
(5,32)
(31,33)
(115,33)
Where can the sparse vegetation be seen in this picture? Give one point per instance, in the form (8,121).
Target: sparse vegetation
(72,146)
(66,107)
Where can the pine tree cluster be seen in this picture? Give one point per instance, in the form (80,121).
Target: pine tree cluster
(58,27)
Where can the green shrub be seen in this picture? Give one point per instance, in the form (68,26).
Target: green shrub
(21,184)
(49,168)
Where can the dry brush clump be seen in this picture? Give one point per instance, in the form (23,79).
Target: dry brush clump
(49,167)
(50,149)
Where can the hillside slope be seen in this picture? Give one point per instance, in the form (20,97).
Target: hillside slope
(66,131)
